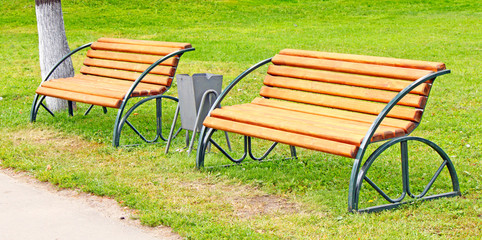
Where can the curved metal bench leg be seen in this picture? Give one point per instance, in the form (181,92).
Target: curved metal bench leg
(205,140)
(37,103)
(293,152)
(250,151)
(104,109)
(70,105)
(121,119)
(204,137)
(361,176)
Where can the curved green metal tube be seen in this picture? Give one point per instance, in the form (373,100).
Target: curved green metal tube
(35,106)
(237,161)
(265,154)
(117,129)
(203,137)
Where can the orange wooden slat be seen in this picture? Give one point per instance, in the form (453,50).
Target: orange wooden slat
(127,83)
(339,133)
(80,97)
(344,91)
(340,103)
(120,74)
(140,90)
(145,42)
(432,66)
(406,125)
(118,47)
(80,88)
(347,79)
(352,126)
(289,138)
(115,85)
(120,86)
(131,57)
(350,67)
(136,67)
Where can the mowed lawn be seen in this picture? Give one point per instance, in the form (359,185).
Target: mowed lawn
(293,199)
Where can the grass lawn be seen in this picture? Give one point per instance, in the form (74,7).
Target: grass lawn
(293,199)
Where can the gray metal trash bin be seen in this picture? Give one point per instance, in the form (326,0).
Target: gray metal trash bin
(191,91)
(196,95)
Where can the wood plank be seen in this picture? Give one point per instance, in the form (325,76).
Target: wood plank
(116,85)
(352,126)
(120,74)
(350,67)
(293,139)
(80,97)
(135,67)
(351,134)
(115,81)
(131,57)
(79,88)
(139,91)
(99,84)
(340,103)
(145,42)
(407,125)
(344,91)
(347,79)
(432,66)
(129,48)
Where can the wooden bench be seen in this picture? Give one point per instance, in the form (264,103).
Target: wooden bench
(114,71)
(337,104)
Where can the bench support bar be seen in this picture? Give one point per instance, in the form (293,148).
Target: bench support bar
(122,119)
(205,138)
(362,176)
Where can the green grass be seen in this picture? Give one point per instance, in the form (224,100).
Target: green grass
(295,199)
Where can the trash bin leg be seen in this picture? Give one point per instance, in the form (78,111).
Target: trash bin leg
(173,126)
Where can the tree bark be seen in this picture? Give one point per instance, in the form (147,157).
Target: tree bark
(52,45)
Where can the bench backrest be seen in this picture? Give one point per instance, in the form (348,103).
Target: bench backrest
(348,82)
(126,59)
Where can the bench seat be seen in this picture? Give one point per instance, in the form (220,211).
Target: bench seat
(267,119)
(101,91)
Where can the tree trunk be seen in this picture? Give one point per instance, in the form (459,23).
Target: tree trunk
(52,45)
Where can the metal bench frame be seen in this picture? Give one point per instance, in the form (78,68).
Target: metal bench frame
(121,118)
(359,171)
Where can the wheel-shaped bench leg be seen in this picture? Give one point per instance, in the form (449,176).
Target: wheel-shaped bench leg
(358,177)
(121,119)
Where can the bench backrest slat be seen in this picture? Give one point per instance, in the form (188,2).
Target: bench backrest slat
(135,67)
(351,67)
(126,75)
(130,57)
(146,42)
(411,100)
(340,103)
(346,79)
(348,82)
(396,62)
(126,59)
